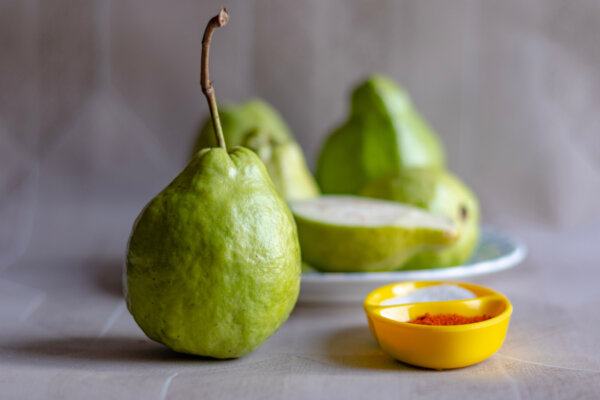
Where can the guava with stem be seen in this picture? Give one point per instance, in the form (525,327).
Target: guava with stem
(213,262)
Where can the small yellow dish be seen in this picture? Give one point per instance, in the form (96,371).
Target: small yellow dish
(438,347)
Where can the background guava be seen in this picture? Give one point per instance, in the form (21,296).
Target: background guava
(258,126)
(383,133)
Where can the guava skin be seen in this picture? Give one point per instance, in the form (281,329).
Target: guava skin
(213,262)
(441,193)
(383,133)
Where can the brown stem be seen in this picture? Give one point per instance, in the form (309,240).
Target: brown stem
(218,20)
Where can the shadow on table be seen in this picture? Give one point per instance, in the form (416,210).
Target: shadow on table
(107,349)
(355,347)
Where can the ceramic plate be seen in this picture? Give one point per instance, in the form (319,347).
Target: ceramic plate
(495,252)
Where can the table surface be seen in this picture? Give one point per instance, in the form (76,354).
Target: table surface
(66,333)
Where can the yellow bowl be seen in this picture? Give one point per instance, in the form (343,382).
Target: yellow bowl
(438,347)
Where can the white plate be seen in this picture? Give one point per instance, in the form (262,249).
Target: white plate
(495,252)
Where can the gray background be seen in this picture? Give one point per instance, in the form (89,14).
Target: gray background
(99,104)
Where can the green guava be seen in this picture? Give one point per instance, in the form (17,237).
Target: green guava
(258,126)
(240,120)
(213,261)
(383,133)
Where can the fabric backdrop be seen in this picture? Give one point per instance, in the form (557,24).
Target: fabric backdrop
(100,102)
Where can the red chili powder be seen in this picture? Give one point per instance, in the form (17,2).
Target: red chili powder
(448,319)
